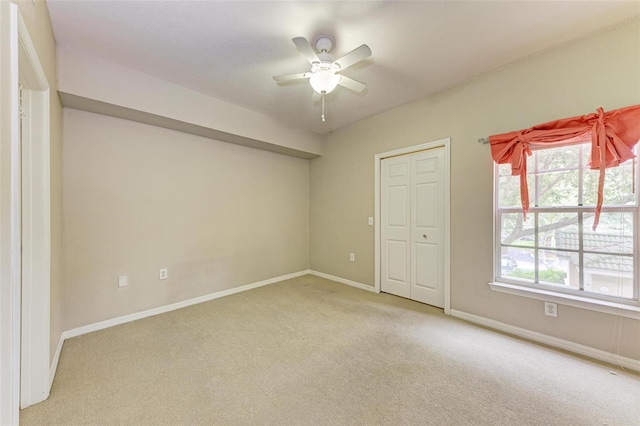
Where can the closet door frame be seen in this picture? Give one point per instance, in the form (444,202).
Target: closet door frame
(443,143)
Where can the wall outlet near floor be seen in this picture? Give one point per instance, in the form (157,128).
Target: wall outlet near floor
(123,281)
(352,257)
(164,273)
(551,309)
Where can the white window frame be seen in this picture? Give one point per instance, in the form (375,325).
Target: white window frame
(576,298)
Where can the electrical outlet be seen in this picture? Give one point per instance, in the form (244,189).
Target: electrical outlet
(352,257)
(123,281)
(164,273)
(551,309)
(370,220)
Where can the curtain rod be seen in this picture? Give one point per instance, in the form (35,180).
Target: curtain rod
(483,141)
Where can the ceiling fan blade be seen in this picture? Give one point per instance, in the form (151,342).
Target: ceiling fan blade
(305,48)
(288,77)
(356,55)
(352,84)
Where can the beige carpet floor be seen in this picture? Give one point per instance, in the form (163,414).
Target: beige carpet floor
(313,352)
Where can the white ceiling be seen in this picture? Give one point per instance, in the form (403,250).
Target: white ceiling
(231,49)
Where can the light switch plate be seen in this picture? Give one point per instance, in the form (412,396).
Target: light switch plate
(123,281)
(164,273)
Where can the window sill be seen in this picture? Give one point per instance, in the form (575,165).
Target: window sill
(629,311)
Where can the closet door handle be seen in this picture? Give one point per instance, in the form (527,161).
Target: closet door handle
(424,236)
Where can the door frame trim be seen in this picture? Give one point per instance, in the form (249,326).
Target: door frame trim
(35,370)
(442,143)
(9,217)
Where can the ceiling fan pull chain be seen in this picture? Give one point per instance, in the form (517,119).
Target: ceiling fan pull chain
(322,95)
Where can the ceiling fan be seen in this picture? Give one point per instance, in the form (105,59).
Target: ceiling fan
(325,71)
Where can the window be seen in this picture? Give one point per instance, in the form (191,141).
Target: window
(555,248)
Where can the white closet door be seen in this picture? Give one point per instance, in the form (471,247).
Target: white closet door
(395,223)
(427,227)
(412,226)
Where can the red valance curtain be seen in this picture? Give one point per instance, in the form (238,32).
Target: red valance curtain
(613,135)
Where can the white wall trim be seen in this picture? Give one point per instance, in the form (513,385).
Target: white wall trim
(156,311)
(179,305)
(344,281)
(445,143)
(172,307)
(629,363)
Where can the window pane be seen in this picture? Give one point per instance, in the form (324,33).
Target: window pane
(504,169)
(609,275)
(555,176)
(509,191)
(517,263)
(509,188)
(559,268)
(556,158)
(557,189)
(618,186)
(517,231)
(558,230)
(614,233)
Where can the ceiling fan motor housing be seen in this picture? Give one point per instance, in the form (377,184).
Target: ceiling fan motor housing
(324,44)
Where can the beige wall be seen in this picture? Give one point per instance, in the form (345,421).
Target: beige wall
(603,70)
(139,197)
(36,17)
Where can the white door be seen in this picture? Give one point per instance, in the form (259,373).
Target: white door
(395,219)
(412,226)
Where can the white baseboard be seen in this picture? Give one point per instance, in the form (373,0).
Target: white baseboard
(343,281)
(625,362)
(54,362)
(172,307)
(629,363)
(159,310)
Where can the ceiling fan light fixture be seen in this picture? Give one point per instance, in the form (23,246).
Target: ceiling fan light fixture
(324,81)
